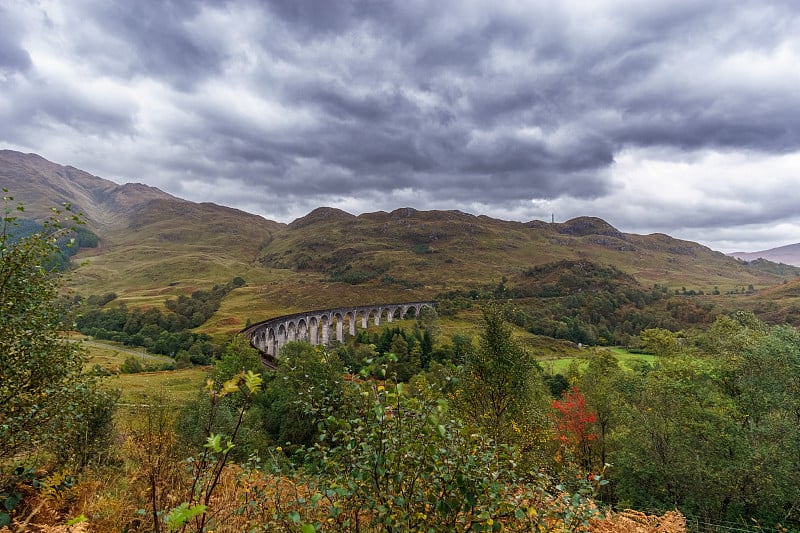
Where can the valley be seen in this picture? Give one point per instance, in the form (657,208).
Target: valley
(569,352)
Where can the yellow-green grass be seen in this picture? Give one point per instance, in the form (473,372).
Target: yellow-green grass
(466,322)
(111,355)
(149,281)
(177,386)
(627,360)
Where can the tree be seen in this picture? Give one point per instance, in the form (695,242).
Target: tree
(238,356)
(199,417)
(44,395)
(682,444)
(659,341)
(765,382)
(500,389)
(428,321)
(306,376)
(462,346)
(574,426)
(601,383)
(713,429)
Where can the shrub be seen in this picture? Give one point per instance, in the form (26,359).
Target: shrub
(44,394)
(131,365)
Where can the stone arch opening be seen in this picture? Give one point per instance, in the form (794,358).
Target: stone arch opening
(302,330)
(350,323)
(272,343)
(363,318)
(313,328)
(338,322)
(281,337)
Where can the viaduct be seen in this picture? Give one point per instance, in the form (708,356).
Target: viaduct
(322,327)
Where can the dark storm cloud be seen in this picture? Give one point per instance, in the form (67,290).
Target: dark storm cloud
(380,135)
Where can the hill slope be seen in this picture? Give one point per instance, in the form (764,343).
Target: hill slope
(40,185)
(441,250)
(153,246)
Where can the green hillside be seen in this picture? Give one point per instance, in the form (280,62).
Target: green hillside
(153,246)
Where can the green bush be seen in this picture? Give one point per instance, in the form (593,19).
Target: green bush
(47,402)
(131,365)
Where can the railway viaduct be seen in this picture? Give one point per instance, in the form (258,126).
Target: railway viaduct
(323,326)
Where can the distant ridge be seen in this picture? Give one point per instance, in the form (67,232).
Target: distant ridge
(321,215)
(147,238)
(152,244)
(789,255)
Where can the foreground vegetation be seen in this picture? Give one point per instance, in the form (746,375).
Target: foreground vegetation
(400,429)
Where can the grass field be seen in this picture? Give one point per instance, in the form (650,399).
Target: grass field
(177,385)
(136,389)
(111,355)
(627,360)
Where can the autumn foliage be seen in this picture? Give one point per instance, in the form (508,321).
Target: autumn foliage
(574,421)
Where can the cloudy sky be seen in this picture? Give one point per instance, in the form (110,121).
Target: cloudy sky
(679,116)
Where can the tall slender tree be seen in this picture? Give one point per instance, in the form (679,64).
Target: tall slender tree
(500,389)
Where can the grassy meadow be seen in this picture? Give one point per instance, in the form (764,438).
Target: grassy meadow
(175,385)
(561,365)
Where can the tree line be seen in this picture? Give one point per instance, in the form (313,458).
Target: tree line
(584,302)
(160,332)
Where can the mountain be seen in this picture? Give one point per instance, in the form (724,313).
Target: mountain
(449,249)
(153,246)
(41,185)
(789,255)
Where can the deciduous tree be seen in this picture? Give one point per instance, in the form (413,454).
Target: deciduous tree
(44,395)
(500,390)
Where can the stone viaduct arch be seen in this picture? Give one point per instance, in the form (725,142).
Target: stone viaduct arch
(323,326)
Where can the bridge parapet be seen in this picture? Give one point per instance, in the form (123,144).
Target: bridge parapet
(323,326)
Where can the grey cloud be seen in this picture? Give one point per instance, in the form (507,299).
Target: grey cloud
(40,113)
(726,212)
(340,104)
(13,56)
(713,130)
(156,39)
(315,17)
(381,132)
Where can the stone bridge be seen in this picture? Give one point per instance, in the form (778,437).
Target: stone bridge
(324,326)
